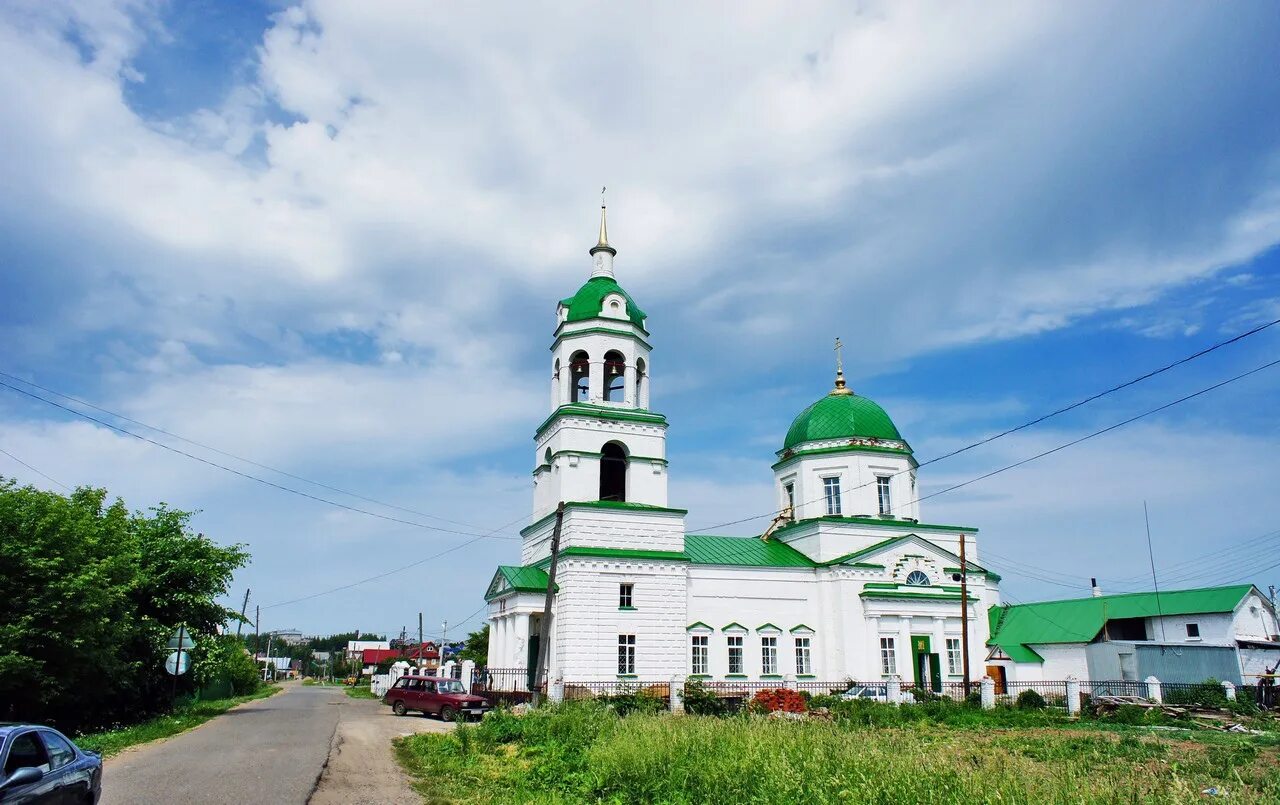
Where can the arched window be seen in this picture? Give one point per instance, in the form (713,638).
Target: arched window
(640,379)
(918,578)
(615,366)
(546,457)
(613,472)
(579,377)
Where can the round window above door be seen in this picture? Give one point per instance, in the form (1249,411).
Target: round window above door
(918,578)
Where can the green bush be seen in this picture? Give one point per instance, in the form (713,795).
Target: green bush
(699,700)
(1208,693)
(1030,700)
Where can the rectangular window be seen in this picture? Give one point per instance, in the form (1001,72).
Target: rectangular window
(882,490)
(1193,630)
(888,662)
(624,595)
(626,654)
(790,490)
(735,653)
(955,662)
(768,655)
(831,486)
(700,645)
(804,656)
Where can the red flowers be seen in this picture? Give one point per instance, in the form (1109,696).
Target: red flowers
(771,701)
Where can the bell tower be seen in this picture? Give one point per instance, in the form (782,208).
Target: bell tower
(601,441)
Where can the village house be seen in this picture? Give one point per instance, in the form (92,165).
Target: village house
(1227,633)
(848,582)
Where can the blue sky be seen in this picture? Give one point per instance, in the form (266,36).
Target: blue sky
(330,239)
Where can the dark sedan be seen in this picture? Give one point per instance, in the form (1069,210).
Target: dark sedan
(41,765)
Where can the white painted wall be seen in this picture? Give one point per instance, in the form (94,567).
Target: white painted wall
(1255,619)
(607,528)
(572,476)
(857,472)
(1061,660)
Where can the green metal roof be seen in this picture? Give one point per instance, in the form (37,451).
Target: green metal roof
(588,302)
(841,416)
(742,552)
(512,578)
(1079,620)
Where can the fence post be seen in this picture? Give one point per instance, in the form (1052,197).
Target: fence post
(1153,690)
(988,689)
(468,673)
(555,691)
(893,690)
(1230,688)
(1073,696)
(676,691)
(789,682)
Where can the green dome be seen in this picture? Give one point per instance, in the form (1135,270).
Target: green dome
(841,416)
(588,302)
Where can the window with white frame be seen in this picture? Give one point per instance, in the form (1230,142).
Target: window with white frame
(769,655)
(699,645)
(1193,631)
(831,486)
(735,653)
(804,655)
(882,492)
(955,663)
(888,660)
(625,595)
(626,654)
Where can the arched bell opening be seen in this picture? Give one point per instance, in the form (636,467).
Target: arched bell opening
(641,378)
(580,377)
(613,472)
(615,381)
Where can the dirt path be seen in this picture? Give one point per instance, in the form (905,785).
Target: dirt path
(362,769)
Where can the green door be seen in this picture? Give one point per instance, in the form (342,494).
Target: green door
(533,659)
(925,666)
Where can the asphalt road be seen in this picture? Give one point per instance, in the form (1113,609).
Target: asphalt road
(271,750)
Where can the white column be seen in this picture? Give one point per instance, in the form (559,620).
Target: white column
(629,384)
(643,402)
(596,373)
(940,646)
(873,630)
(676,693)
(1073,696)
(566,382)
(520,640)
(905,653)
(1153,690)
(893,690)
(988,688)
(1230,689)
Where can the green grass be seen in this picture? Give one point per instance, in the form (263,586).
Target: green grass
(184,718)
(361,692)
(584,752)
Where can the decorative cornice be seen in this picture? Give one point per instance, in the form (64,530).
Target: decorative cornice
(591,411)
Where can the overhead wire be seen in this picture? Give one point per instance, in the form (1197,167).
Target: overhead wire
(36,471)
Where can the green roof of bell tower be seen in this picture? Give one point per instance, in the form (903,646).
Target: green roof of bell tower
(841,415)
(588,302)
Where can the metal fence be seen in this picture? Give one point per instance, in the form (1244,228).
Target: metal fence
(1114,687)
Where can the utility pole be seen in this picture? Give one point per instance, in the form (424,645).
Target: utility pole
(964,616)
(419,639)
(257,614)
(243,607)
(444,638)
(544,631)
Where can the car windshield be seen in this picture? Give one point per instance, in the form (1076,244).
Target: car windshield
(449,686)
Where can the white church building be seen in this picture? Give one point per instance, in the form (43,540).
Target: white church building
(848,583)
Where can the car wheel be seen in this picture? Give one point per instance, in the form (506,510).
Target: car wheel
(399,709)
(447,714)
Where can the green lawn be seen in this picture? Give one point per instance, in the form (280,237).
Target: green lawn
(361,692)
(586,753)
(181,720)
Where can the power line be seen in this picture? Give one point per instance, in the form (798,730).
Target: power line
(36,471)
(219,451)
(246,475)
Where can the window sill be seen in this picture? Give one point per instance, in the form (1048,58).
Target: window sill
(699,676)
(806,676)
(771,676)
(626,676)
(735,676)
(626,609)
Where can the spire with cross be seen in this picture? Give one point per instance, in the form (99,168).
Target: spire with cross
(840,385)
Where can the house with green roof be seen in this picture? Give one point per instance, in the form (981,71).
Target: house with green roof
(841,579)
(1229,633)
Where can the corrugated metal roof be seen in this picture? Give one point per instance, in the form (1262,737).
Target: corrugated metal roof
(704,549)
(1079,620)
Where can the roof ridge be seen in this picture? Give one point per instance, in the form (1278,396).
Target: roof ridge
(1106,596)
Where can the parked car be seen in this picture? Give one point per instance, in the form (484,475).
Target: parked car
(434,695)
(874,693)
(41,765)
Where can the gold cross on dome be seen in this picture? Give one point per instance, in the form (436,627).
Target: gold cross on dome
(840,386)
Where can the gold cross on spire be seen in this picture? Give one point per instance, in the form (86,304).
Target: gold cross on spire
(840,385)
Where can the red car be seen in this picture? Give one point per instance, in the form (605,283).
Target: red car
(434,695)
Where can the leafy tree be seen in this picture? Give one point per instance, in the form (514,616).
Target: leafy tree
(89,596)
(476,647)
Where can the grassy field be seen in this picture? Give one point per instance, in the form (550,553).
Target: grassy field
(586,753)
(181,720)
(361,692)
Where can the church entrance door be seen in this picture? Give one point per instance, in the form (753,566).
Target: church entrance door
(928,672)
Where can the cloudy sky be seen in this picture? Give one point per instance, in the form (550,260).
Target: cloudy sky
(328,238)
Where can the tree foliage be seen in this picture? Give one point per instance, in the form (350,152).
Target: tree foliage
(90,595)
(476,647)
